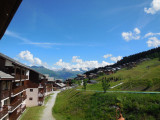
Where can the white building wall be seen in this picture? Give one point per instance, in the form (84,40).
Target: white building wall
(33,95)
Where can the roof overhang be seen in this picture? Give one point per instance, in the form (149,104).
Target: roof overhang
(7,10)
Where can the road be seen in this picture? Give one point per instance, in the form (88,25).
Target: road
(47,113)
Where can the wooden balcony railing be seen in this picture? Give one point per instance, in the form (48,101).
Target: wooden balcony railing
(40,95)
(17,90)
(24,97)
(13,105)
(24,76)
(5,94)
(3,112)
(18,76)
(14,116)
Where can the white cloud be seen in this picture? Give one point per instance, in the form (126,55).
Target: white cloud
(76,60)
(137,31)
(78,64)
(115,59)
(29,57)
(63,64)
(151,34)
(26,55)
(135,35)
(153,42)
(155,7)
(107,56)
(37,61)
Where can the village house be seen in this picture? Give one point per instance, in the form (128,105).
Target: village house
(58,84)
(80,77)
(68,82)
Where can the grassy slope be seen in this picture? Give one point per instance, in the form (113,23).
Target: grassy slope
(78,105)
(139,78)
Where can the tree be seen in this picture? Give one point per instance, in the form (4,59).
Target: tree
(79,82)
(105,84)
(84,84)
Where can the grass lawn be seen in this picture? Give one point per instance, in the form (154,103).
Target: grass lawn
(33,113)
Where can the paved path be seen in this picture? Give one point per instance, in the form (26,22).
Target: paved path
(117,85)
(134,92)
(47,113)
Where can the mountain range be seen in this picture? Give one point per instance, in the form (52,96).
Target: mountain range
(57,74)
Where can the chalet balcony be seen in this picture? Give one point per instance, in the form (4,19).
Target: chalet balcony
(14,104)
(23,107)
(3,112)
(17,90)
(15,116)
(24,97)
(24,77)
(17,77)
(40,103)
(40,95)
(5,94)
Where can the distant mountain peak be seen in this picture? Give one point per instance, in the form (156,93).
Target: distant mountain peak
(37,67)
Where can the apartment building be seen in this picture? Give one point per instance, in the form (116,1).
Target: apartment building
(20,86)
(36,89)
(12,89)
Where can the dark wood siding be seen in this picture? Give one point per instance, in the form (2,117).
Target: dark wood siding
(2,64)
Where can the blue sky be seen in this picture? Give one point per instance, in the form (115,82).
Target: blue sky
(77,34)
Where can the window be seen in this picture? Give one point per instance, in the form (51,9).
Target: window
(30,98)
(31,90)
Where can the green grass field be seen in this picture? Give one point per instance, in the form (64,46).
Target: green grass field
(79,105)
(139,78)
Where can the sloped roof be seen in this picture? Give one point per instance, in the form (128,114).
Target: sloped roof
(18,63)
(5,75)
(7,10)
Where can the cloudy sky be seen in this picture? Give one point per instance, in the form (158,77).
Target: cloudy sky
(81,34)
